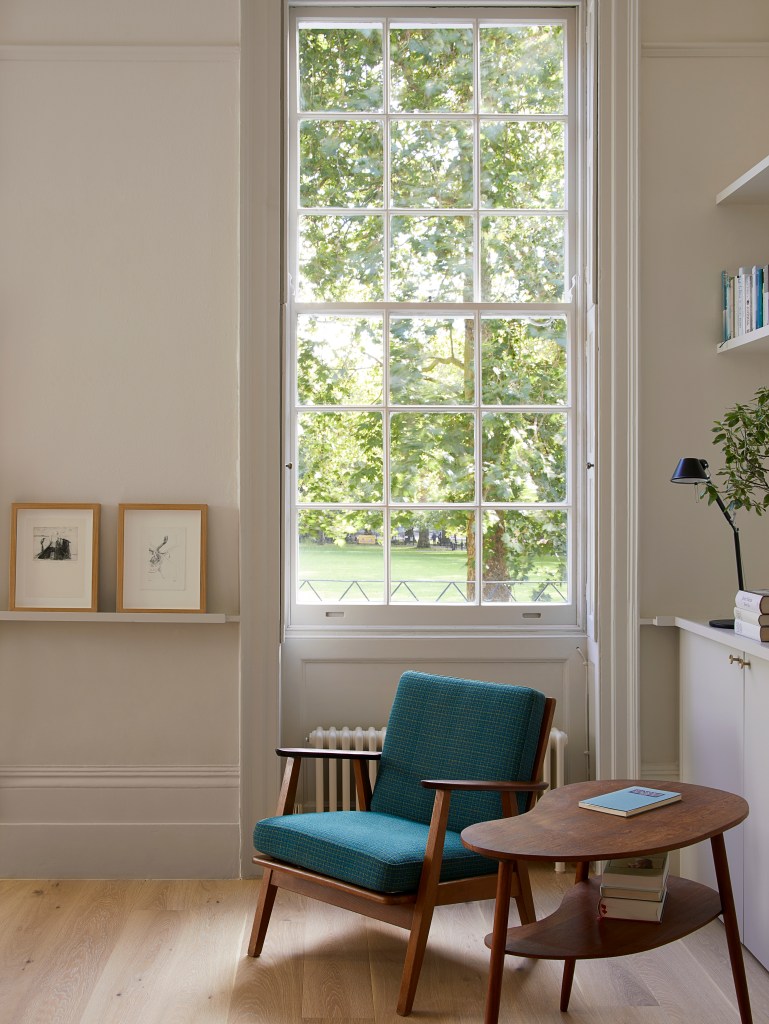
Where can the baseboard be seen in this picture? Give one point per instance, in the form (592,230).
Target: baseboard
(126,850)
(126,821)
(664,771)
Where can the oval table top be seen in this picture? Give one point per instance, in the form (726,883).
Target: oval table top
(558,829)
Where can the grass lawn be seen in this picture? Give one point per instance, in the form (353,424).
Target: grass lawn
(424,574)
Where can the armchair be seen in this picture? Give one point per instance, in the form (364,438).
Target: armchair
(456,752)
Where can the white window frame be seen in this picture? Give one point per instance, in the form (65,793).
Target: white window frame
(302,617)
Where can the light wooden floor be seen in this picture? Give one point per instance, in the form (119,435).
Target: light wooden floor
(108,952)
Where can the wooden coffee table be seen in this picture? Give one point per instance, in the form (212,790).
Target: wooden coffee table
(557,829)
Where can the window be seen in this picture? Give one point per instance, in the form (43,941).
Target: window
(432,326)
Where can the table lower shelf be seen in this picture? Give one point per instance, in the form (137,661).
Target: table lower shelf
(575,930)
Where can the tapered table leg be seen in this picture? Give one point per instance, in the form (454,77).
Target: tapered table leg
(498,941)
(583,872)
(730,923)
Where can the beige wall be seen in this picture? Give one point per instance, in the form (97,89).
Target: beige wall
(119,271)
(704,121)
(119,352)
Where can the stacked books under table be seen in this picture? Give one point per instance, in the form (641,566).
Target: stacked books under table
(634,889)
(751,614)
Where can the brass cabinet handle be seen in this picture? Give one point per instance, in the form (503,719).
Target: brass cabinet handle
(735,660)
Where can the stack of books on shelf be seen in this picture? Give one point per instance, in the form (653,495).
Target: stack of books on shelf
(745,301)
(751,614)
(634,889)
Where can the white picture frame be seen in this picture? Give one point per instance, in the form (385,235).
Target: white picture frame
(161,558)
(54,557)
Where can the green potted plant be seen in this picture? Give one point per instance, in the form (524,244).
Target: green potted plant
(743,436)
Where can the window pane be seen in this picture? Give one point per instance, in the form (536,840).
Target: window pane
(340,457)
(431,259)
(431,69)
(431,360)
(432,457)
(341,163)
(523,165)
(339,360)
(432,163)
(522,69)
(524,556)
(524,457)
(341,557)
(523,362)
(522,259)
(340,258)
(432,557)
(340,69)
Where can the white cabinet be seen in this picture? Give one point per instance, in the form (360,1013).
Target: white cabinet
(712,717)
(725,744)
(756,935)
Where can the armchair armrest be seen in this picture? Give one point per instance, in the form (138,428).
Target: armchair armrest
(353,755)
(476,785)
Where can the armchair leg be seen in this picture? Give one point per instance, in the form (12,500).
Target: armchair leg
(415,954)
(267,894)
(425,904)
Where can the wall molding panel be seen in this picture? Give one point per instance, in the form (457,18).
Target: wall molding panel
(120,821)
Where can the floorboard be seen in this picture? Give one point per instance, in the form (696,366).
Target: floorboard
(174,952)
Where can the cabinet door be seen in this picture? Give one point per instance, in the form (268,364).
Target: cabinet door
(712,723)
(756,935)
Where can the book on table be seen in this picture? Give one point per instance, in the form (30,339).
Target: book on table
(631,800)
(631,910)
(752,600)
(637,874)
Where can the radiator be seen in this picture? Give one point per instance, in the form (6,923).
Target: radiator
(330,790)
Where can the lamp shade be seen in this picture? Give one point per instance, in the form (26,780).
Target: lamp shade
(691,471)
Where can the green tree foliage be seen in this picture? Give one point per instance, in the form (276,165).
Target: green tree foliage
(520,229)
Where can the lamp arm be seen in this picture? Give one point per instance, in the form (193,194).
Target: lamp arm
(730,520)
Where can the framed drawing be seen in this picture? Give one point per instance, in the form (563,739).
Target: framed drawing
(161,558)
(54,557)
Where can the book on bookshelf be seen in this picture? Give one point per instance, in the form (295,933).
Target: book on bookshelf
(631,910)
(751,630)
(752,600)
(629,801)
(744,301)
(757,618)
(638,873)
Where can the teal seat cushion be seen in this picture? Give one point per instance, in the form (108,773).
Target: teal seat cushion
(382,852)
(441,727)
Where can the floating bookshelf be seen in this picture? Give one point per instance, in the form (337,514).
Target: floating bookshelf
(755,342)
(751,187)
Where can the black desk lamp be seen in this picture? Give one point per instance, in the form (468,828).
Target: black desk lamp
(695,471)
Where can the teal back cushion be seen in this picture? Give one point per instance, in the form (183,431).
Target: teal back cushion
(446,728)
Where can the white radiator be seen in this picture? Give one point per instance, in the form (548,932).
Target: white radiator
(327,785)
(327,788)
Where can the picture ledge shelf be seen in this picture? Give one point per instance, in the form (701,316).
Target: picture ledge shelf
(193,618)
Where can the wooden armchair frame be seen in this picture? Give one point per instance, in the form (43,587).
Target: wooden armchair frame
(411,910)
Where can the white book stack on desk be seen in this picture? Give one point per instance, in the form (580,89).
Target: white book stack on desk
(634,889)
(751,614)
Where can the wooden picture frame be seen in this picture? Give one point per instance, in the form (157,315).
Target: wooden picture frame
(54,559)
(161,558)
